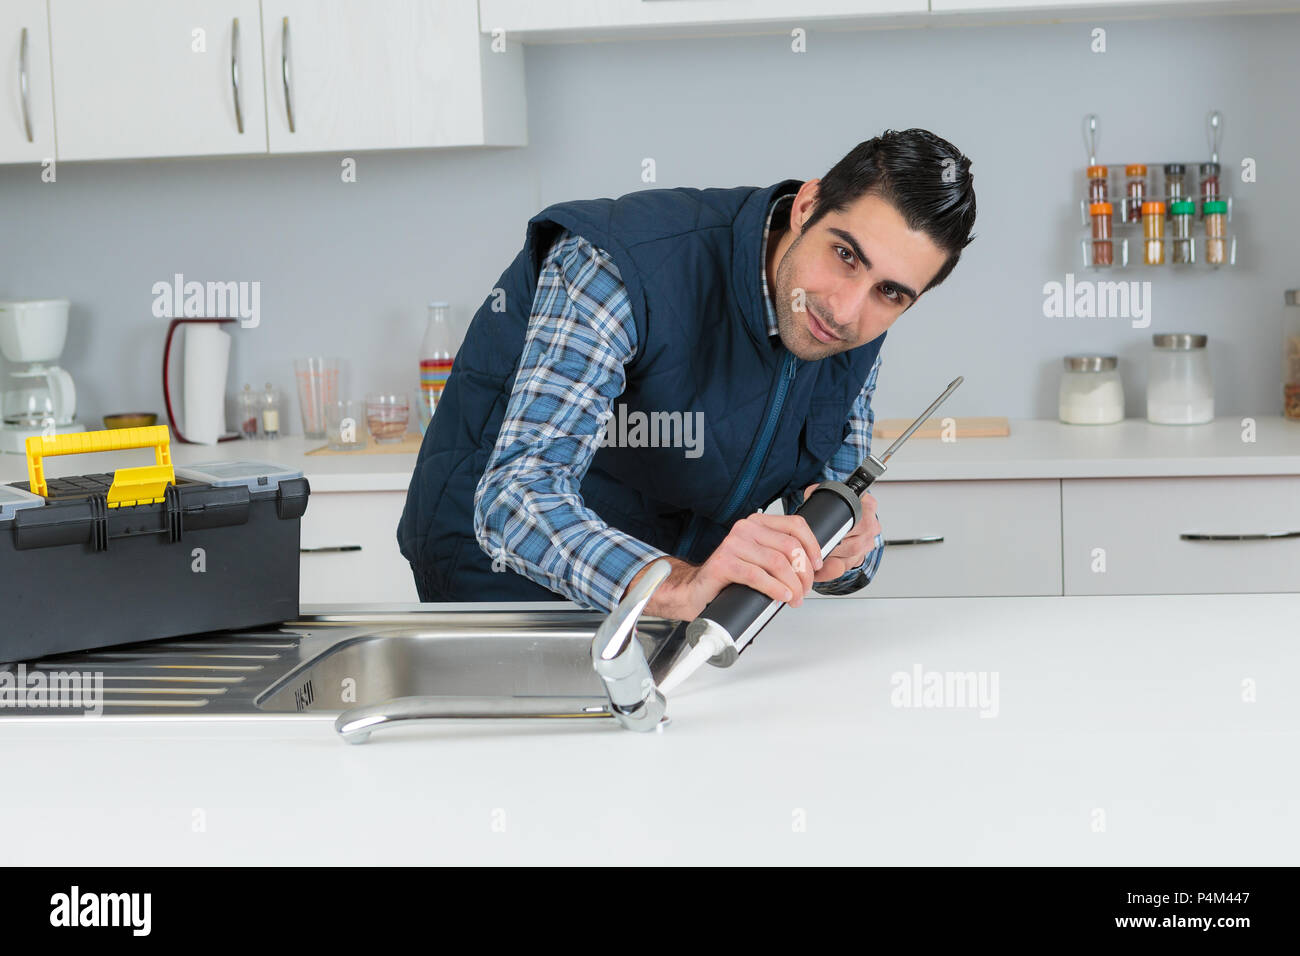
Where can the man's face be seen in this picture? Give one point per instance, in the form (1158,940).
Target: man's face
(844,281)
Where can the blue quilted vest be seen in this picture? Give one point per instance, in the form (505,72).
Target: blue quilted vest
(690,259)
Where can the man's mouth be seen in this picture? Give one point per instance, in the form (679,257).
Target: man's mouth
(819,330)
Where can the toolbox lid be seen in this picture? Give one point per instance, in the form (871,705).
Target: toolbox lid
(15,499)
(256,475)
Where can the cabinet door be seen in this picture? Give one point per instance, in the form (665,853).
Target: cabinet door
(142,78)
(373,569)
(1181,535)
(968,539)
(352,76)
(26,110)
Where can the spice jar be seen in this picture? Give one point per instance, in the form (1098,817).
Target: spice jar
(1103,247)
(1135,192)
(1209,183)
(1091,392)
(1181,213)
(1179,389)
(1216,216)
(1291,356)
(1153,233)
(270,412)
(1175,184)
(1098,184)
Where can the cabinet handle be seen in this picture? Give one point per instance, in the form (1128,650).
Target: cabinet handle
(234,72)
(928,539)
(1263,536)
(22,83)
(284,70)
(330,548)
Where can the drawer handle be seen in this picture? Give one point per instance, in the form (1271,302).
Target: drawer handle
(22,83)
(330,549)
(928,539)
(284,71)
(234,72)
(1193,536)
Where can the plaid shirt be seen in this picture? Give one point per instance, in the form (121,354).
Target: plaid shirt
(528,510)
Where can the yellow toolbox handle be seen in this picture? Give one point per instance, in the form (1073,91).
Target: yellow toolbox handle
(131,486)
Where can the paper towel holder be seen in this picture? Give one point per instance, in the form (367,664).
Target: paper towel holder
(166,376)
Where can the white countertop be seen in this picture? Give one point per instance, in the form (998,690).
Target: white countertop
(1036,448)
(1131,706)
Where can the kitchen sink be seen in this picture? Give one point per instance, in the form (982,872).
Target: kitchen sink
(331,662)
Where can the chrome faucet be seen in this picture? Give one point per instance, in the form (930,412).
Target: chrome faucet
(631,697)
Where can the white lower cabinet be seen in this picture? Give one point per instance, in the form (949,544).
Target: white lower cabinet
(371,569)
(968,539)
(1181,535)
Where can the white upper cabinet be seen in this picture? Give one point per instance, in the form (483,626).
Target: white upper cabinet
(26,109)
(1102,6)
(343,75)
(141,78)
(540,17)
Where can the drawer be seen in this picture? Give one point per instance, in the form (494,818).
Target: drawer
(374,573)
(1128,535)
(968,539)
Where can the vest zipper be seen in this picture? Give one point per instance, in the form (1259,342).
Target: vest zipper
(756,459)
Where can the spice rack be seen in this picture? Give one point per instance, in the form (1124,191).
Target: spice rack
(1156,215)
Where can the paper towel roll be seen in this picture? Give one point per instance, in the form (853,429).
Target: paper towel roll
(207,360)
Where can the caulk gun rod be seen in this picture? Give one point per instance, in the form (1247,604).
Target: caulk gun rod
(920,421)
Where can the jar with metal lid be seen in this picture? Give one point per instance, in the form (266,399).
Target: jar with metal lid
(1103,246)
(1098,184)
(1135,192)
(1153,233)
(1182,213)
(1091,392)
(1291,357)
(1179,389)
(1216,217)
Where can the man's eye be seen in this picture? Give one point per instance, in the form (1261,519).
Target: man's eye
(892,294)
(844,254)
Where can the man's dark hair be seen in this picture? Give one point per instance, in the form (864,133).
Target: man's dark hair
(927,179)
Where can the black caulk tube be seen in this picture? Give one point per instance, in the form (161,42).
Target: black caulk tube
(733,619)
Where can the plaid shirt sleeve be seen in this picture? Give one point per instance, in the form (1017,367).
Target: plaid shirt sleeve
(842,464)
(528,512)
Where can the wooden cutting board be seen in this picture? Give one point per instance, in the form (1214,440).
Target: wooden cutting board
(409,445)
(995,427)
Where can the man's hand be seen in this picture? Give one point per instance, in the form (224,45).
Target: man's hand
(857,544)
(776,555)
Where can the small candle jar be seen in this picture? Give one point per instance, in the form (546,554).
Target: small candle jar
(1179,388)
(1091,392)
(1153,233)
(1103,246)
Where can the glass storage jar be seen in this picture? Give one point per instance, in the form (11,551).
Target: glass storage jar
(1091,392)
(1179,389)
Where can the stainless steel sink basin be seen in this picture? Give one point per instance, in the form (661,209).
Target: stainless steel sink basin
(328,663)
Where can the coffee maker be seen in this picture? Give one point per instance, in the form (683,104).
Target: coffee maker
(39,397)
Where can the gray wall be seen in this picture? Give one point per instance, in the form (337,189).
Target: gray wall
(346,269)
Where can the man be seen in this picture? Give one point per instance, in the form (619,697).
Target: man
(756,315)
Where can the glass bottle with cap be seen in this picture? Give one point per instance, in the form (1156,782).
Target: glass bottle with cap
(1179,388)
(1291,357)
(436,356)
(1135,192)
(1209,183)
(1175,184)
(1181,215)
(1091,392)
(1103,245)
(1216,245)
(1153,233)
(1098,184)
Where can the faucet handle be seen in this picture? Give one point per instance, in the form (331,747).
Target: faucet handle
(620,660)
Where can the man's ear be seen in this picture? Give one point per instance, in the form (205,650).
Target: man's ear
(805,201)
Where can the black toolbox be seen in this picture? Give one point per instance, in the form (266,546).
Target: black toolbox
(143,553)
